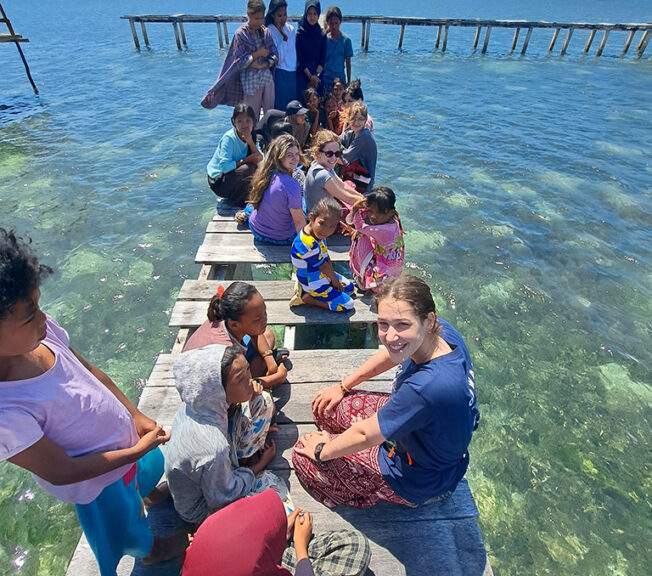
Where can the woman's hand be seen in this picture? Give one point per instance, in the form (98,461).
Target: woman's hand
(314,81)
(143,423)
(262,52)
(302,534)
(310,442)
(152,440)
(327,399)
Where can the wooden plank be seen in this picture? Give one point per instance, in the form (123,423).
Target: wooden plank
(12,38)
(235,248)
(206,289)
(305,363)
(192,313)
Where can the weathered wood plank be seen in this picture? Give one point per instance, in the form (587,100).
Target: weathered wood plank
(206,289)
(235,248)
(190,314)
(305,364)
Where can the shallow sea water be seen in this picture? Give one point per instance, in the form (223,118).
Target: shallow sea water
(524,186)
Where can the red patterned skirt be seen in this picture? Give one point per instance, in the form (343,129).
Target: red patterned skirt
(354,480)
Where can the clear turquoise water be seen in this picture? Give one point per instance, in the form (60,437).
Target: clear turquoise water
(524,186)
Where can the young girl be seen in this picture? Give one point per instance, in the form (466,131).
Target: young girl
(311,49)
(338,50)
(330,117)
(235,159)
(377,247)
(220,445)
(247,74)
(360,152)
(66,421)
(353,93)
(321,180)
(274,209)
(285,39)
(338,92)
(320,284)
(237,317)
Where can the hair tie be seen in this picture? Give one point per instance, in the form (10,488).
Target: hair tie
(220,291)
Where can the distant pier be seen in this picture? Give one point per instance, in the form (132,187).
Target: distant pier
(638,33)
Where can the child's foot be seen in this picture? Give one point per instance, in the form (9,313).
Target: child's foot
(166,548)
(297,299)
(156,496)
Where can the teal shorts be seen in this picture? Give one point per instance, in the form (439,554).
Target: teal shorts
(114,523)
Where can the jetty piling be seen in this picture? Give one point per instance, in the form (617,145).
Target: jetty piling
(178,21)
(16,39)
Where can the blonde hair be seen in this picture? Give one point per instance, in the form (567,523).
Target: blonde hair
(271,163)
(320,140)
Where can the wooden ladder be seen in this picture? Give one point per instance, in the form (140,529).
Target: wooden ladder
(16,39)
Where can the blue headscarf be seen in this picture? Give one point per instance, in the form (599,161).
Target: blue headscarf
(312,32)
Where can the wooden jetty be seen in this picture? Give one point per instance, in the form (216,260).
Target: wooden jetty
(11,36)
(441,24)
(440,539)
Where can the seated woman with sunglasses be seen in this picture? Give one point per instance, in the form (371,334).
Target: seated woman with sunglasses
(321,180)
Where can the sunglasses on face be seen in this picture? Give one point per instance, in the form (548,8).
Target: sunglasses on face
(331,153)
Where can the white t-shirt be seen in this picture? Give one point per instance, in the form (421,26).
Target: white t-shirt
(287,49)
(73,409)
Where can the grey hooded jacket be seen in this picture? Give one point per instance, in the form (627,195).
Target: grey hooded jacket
(200,460)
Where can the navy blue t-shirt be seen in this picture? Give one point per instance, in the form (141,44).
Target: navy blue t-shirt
(431,415)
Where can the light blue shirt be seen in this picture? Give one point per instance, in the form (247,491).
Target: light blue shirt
(228,152)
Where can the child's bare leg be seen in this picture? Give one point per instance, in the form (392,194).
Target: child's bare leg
(158,495)
(166,548)
(308,299)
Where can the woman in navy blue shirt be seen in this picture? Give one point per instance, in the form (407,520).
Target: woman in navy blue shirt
(411,446)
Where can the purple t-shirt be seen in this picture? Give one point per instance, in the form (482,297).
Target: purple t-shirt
(73,409)
(273,218)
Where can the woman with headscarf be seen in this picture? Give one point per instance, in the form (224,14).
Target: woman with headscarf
(285,40)
(311,49)
(251,537)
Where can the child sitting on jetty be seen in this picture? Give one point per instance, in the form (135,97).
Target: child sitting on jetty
(275,203)
(237,317)
(377,247)
(320,285)
(65,421)
(220,445)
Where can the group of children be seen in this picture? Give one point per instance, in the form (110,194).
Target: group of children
(66,421)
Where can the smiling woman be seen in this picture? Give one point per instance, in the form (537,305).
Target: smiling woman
(409,447)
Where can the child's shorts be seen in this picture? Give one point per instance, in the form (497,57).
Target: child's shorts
(337,301)
(114,523)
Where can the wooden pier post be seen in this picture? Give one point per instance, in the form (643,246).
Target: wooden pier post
(362,23)
(219,34)
(144,31)
(629,41)
(176,34)
(226,34)
(565,46)
(133,33)
(553,40)
(477,37)
(183,34)
(589,41)
(602,44)
(515,40)
(438,37)
(527,41)
(443,46)
(400,38)
(366,40)
(486,40)
(642,45)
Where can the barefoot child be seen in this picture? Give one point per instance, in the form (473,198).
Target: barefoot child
(320,284)
(65,421)
(377,247)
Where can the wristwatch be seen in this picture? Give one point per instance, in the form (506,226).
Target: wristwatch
(318,450)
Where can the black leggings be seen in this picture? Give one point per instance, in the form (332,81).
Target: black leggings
(234,185)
